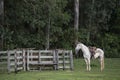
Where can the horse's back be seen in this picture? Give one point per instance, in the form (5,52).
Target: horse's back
(99,50)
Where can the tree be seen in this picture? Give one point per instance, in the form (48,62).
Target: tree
(1,23)
(46,24)
(76,19)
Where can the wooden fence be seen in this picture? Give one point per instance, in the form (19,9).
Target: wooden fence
(3,61)
(16,60)
(12,60)
(64,59)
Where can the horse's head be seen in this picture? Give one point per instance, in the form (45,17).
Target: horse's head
(77,48)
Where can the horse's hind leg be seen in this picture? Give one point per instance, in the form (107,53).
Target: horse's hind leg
(102,63)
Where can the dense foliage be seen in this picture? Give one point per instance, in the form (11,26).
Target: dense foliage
(26,23)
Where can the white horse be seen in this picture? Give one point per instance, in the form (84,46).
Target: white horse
(87,55)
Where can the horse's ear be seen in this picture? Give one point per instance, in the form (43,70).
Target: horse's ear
(79,43)
(76,42)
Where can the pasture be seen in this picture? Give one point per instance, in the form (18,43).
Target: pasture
(111,72)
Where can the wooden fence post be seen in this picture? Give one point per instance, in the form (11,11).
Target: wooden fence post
(23,56)
(8,62)
(28,51)
(39,59)
(57,59)
(54,60)
(15,56)
(63,60)
(71,60)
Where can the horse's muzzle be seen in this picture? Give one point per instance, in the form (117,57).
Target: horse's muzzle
(76,53)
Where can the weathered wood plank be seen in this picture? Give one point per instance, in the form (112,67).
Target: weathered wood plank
(33,51)
(65,67)
(64,62)
(19,57)
(41,56)
(11,63)
(3,52)
(28,68)
(57,59)
(19,68)
(1,68)
(24,63)
(59,51)
(47,64)
(47,57)
(19,63)
(8,65)
(64,56)
(33,57)
(11,69)
(4,62)
(15,62)
(46,51)
(39,59)
(11,52)
(71,60)
(18,52)
(42,62)
(11,58)
(3,57)
(54,60)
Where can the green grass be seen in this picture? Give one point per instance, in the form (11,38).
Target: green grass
(111,72)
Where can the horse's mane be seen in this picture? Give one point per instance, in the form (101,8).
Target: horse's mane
(80,43)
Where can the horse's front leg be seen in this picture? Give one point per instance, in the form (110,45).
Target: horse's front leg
(87,64)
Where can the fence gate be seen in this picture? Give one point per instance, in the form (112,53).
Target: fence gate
(41,59)
(65,59)
(20,60)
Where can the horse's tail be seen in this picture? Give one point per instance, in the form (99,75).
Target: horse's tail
(103,63)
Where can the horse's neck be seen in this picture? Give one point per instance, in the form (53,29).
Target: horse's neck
(84,48)
(86,52)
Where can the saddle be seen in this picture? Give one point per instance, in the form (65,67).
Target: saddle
(92,51)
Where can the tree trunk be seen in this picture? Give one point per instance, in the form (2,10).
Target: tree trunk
(2,23)
(90,21)
(76,19)
(48,34)
(48,26)
(1,12)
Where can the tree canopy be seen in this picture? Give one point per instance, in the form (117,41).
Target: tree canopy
(26,23)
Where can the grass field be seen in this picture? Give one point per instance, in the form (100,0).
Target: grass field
(111,72)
